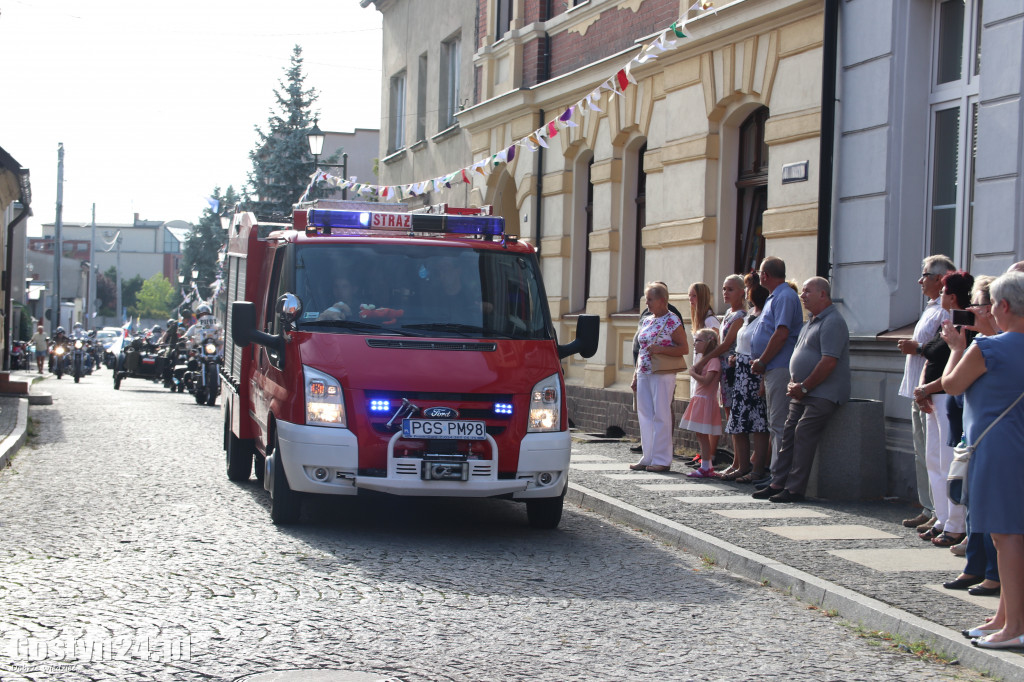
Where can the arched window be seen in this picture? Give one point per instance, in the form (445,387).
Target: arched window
(751,191)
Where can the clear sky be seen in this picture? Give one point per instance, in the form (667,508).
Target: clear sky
(156,102)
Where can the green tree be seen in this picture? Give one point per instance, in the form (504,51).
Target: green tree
(154,298)
(106,291)
(129,293)
(281,163)
(204,242)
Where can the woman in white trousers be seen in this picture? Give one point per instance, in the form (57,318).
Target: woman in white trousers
(660,333)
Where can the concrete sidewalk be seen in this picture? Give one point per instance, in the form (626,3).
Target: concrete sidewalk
(854,558)
(14,417)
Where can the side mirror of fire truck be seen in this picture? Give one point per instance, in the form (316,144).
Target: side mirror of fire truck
(244,331)
(587,334)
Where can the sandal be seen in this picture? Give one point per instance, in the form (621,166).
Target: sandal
(735,475)
(748,477)
(948,539)
(930,534)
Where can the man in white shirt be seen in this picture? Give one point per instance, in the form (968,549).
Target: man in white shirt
(932,270)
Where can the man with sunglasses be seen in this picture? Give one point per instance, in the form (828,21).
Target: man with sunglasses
(932,270)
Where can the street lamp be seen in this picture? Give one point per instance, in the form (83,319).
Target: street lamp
(181,278)
(315,137)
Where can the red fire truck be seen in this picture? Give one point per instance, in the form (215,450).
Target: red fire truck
(409,353)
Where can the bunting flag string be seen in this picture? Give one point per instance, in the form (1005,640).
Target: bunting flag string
(617,85)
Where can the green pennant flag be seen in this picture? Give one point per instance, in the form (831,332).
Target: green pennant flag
(678,31)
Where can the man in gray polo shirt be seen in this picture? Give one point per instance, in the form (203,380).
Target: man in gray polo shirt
(819,383)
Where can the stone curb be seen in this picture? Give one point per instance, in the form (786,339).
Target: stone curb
(853,606)
(10,445)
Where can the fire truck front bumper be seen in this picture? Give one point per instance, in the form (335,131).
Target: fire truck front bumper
(326,461)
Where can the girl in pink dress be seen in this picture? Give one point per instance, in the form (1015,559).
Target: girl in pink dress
(703,415)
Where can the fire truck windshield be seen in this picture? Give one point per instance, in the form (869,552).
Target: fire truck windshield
(421,289)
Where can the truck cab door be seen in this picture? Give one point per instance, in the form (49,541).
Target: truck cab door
(268,362)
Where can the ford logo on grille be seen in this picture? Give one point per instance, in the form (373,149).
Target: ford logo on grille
(440,413)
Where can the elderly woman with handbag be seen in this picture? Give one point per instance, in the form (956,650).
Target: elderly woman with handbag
(990,374)
(663,349)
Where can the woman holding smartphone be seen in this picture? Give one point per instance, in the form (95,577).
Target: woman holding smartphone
(950,526)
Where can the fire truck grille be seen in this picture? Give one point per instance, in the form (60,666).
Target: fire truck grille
(411,344)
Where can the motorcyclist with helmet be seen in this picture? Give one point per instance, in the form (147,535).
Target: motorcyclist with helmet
(205,328)
(60,338)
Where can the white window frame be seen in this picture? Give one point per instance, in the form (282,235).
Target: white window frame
(451,58)
(960,94)
(396,119)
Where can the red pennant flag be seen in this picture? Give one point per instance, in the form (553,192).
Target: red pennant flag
(621,78)
(464,178)
(552,130)
(384,192)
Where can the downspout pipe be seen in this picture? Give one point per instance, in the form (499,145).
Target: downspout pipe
(826,154)
(25,198)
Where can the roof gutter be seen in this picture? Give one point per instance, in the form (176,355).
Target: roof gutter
(826,152)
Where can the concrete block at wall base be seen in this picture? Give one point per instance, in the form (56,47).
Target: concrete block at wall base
(851,462)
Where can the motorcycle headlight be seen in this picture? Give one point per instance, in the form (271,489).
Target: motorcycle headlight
(545,406)
(78,344)
(59,350)
(324,404)
(210,348)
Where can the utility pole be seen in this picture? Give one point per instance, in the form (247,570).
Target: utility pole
(55,309)
(90,305)
(117,243)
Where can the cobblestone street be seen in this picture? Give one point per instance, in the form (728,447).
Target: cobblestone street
(120,527)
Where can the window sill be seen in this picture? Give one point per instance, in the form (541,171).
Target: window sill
(394,156)
(422,144)
(446,133)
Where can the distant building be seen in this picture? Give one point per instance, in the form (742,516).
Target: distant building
(361,147)
(148,247)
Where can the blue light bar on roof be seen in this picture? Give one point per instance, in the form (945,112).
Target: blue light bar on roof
(324,220)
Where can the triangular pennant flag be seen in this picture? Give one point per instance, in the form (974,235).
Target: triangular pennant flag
(590,102)
(540,138)
(552,129)
(510,154)
(465,179)
(384,192)
(678,30)
(622,80)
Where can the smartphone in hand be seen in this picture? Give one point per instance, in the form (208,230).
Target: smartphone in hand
(963,318)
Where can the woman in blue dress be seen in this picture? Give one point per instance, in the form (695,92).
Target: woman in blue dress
(990,374)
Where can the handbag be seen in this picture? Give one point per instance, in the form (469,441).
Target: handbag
(662,363)
(956,481)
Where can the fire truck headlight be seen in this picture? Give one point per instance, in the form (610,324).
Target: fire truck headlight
(324,404)
(545,406)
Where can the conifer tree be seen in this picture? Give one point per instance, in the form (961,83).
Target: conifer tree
(204,242)
(281,163)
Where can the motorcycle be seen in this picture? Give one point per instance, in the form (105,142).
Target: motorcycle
(19,355)
(79,359)
(138,359)
(204,380)
(59,358)
(176,367)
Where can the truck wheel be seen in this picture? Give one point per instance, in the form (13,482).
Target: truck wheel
(285,503)
(237,456)
(545,512)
